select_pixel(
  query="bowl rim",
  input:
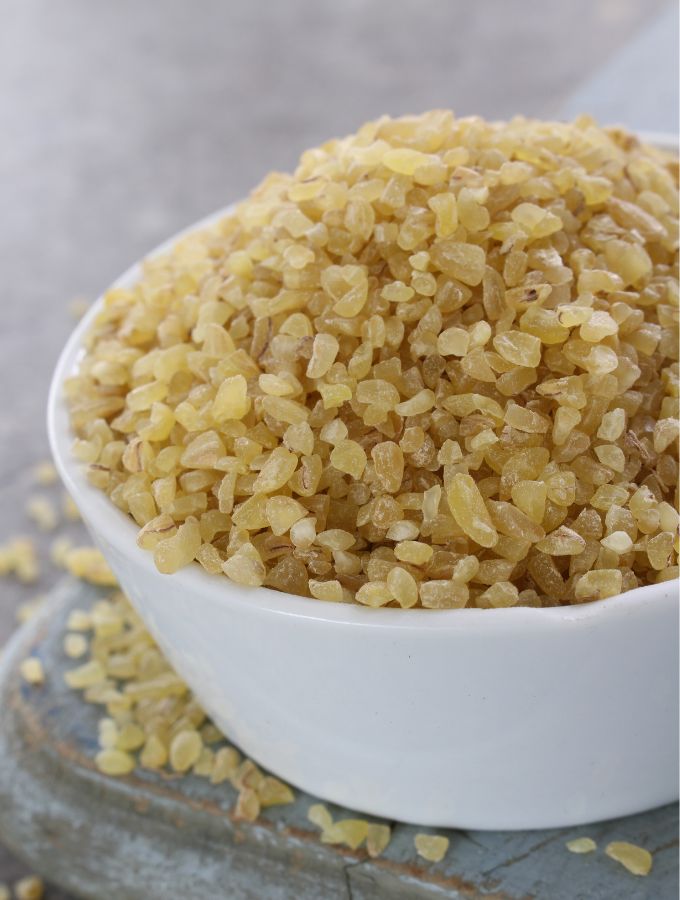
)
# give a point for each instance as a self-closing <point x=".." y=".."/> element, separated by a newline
<point x="119" y="530"/>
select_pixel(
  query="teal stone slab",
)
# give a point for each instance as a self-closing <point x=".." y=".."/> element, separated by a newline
<point x="150" y="836"/>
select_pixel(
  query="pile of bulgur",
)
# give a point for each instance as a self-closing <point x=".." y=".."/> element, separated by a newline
<point x="437" y="366"/>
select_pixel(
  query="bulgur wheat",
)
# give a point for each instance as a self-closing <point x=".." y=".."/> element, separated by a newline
<point x="440" y="339"/>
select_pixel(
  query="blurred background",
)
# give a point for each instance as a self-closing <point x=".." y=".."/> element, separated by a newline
<point x="123" y="122"/>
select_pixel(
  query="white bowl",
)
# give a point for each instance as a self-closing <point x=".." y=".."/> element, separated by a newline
<point x="492" y="719"/>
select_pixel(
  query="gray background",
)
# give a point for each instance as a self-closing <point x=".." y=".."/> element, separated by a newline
<point x="121" y="122"/>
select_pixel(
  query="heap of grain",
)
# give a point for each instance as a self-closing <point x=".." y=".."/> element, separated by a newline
<point x="436" y="366"/>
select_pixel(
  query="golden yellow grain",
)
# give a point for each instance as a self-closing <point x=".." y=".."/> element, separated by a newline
<point x="42" y="512"/>
<point x="350" y="832"/>
<point x="378" y="837"/>
<point x="319" y="815"/>
<point x="432" y="847"/>
<point x="29" y="888"/>
<point x="18" y="557"/>
<point x="114" y="762"/>
<point x="581" y="845"/>
<point x="274" y="792"/>
<point x="446" y="338"/>
<point x="89" y="564"/>
<point x="152" y="719"/>
<point x="75" y="645"/>
<point x="185" y="750"/>
<point x="32" y="671"/>
<point x="636" y="859"/>
<point x="247" y="805"/>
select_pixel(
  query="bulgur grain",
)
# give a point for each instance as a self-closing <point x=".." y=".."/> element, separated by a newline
<point x="319" y="815"/>
<point x="75" y="645"/>
<point x="42" y="512"/>
<point x="152" y="719"/>
<point x="154" y="754"/>
<point x="247" y="805"/>
<point x="438" y="336"/>
<point x="636" y="859"/>
<point x="274" y="792"/>
<point x="378" y="837"/>
<point x="89" y="564"/>
<point x="432" y="847"/>
<point x="351" y="832"/>
<point x="32" y="671"/>
<point x="29" y="888"/>
<point x="18" y="557"/>
<point x="581" y="845"/>
<point x="114" y="762"/>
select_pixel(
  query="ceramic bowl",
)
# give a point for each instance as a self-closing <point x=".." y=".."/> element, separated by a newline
<point x="490" y="719"/>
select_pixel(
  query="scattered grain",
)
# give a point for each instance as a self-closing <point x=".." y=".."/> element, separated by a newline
<point x="89" y="564"/>
<point x="581" y="845"/>
<point x="152" y="718"/>
<point x="29" y="888"/>
<point x="32" y="671"/>
<point x="378" y="837"/>
<point x="114" y="762"/>
<point x="351" y="832"/>
<point x="443" y="337"/>
<point x="319" y="815"/>
<point x="42" y="512"/>
<point x="247" y="805"/>
<point x="432" y="847"/>
<point x="18" y="557"/>
<point x="636" y="859"/>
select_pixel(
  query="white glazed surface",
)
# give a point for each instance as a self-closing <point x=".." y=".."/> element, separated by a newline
<point x="491" y="719"/>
